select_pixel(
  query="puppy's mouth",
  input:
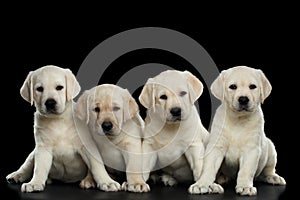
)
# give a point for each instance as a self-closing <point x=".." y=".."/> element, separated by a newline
<point x="175" y="119"/>
<point x="52" y="111"/>
<point x="102" y="132"/>
<point x="108" y="133"/>
<point x="243" y="108"/>
<point x="49" y="112"/>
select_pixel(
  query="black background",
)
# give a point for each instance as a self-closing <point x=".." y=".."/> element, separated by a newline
<point x="253" y="38"/>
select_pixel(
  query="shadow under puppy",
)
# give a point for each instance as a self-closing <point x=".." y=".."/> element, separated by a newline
<point x="174" y="136"/>
<point x="58" y="153"/>
<point x="237" y="144"/>
<point x="112" y="117"/>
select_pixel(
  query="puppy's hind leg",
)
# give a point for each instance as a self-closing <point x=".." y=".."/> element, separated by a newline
<point x="88" y="181"/>
<point x="24" y="172"/>
<point x="222" y="178"/>
<point x="168" y="180"/>
<point x="98" y="171"/>
<point x="268" y="174"/>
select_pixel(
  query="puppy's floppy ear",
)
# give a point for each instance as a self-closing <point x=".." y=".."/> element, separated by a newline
<point x="147" y="98"/>
<point x="26" y="90"/>
<point x="81" y="108"/>
<point x="265" y="86"/>
<point x="72" y="85"/>
<point x="217" y="87"/>
<point x="130" y="107"/>
<point x="194" y="85"/>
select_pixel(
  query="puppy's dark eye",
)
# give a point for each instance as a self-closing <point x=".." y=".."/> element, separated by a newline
<point x="40" y="89"/>
<point x="182" y="93"/>
<point x="116" y="108"/>
<point x="97" y="109"/>
<point x="233" y="86"/>
<point x="252" y="86"/>
<point x="59" y="87"/>
<point x="164" y="97"/>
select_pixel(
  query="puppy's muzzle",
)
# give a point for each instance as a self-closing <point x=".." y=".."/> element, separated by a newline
<point x="107" y="127"/>
<point x="51" y="105"/>
<point x="243" y="103"/>
<point x="176" y="113"/>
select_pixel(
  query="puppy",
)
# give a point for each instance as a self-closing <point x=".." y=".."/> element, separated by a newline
<point x="174" y="135"/>
<point x="237" y="135"/>
<point x="58" y="153"/>
<point x="113" y="120"/>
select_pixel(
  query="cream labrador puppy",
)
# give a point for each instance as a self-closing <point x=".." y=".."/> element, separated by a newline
<point x="113" y="120"/>
<point x="174" y="137"/>
<point x="237" y="142"/>
<point x="58" y="153"/>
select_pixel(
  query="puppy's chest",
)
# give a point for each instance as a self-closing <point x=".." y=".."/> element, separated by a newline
<point x="56" y="133"/>
<point x="61" y="137"/>
<point x="240" y="140"/>
<point x="65" y="152"/>
<point x="171" y="151"/>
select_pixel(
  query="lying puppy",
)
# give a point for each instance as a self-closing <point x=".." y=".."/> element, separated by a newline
<point x="113" y="120"/>
<point x="58" y="153"/>
<point x="174" y="135"/>
<point x="237" y="135"/>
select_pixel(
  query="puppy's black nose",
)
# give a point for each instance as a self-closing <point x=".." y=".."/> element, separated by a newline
<point x="176" y="112"/>
<point x="107" y="126"/>
<point x="50" y="104"/>
<point x="243" y="100"/>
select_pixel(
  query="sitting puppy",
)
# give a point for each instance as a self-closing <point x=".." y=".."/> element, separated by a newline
<point x="237" y="136"/>
<point x="113" y="120"/>
<point x="174" y="137"/>
<point x="59" y="153"/>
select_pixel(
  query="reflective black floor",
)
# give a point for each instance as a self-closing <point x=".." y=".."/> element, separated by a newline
<point x="61" y="191"/>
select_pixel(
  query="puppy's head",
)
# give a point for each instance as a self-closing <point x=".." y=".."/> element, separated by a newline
<point x="171" y="94"/>
<point x="50" y="88"/>
<point x="242" y="88"/>
<point x="105" y="108"/>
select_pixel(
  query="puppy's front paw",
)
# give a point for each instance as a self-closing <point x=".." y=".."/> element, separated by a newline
<point x="137" y="187"/>
<point x="249" y="190"/>
<point x="203" y="189"/>
<point x="275" y="180"/>
<point x="32" y="187"/>
<point x="17" y="177"/>
<point x="168" y="180"/>
<point x="110" y="186"/>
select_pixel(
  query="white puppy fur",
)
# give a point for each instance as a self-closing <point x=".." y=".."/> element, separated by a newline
<point x="174" y="137"/>
<point x="237" y="144"/>
<point x="58" y="153"/>
<point x="113" y="120"/>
